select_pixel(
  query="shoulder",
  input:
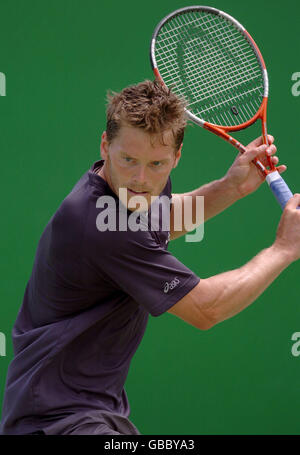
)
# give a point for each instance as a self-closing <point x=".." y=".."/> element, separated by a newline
<point x="112" y="233"/>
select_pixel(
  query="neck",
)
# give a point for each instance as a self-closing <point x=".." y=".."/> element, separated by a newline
<point x="101" y="172"/>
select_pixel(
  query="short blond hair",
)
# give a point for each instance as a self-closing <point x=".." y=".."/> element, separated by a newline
<point x="149" y="105"/>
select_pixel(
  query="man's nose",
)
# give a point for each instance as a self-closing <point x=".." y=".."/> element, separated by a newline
<point x="140" y="175"/>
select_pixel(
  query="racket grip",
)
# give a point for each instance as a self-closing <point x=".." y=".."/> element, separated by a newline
<point x="279" y="188"/>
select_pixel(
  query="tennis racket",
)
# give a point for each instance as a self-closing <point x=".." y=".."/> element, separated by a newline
<point x="207" y="57"/>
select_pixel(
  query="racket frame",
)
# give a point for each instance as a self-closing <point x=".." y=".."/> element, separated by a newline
<point x="223" y="130"/>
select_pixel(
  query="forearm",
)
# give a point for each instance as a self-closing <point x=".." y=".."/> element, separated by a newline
<point x="233" y="291"/>
<point x="218" y="195"/>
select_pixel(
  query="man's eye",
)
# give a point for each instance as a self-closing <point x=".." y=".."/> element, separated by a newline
<point x="127" y="159"/>
<point x="156" y="163"/>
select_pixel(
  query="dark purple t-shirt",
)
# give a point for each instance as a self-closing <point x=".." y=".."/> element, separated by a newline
<point x="85" y="310"/>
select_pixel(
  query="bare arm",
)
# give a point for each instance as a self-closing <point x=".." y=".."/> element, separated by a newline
<point x="222" y="296"/>
<point x="241" y="179"/>
<point x="218" y="195"/>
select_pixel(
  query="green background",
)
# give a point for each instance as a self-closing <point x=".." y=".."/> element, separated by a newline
<point x="59" y="58"/>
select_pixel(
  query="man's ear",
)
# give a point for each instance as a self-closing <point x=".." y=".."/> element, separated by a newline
<point x="177" y="156"/>
<point x="104" y="146"/>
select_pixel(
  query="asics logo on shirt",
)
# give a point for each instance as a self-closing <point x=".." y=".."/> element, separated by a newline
<point x="169" y="286"/>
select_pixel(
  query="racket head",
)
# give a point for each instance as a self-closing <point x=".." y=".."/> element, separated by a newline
<point x="208" y="58"/>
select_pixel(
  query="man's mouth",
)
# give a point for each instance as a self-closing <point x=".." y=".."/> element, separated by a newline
<point x="141" y="193"/>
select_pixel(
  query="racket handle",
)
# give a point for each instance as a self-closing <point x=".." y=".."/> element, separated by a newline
<point x="279" y="188"/>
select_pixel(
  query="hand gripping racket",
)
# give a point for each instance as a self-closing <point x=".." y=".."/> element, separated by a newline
<point x="207" y="57"/>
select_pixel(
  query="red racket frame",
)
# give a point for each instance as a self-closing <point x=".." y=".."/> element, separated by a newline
<point x="223" y="130"/>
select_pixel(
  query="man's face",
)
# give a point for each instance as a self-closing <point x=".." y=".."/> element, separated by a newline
<point x="138" y="162"/>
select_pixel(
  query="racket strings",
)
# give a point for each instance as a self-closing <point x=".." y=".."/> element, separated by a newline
<point x="211" y="63"/>
<point x="213" y="84"/>
<point x="211" y="87"/>
<point x="189" y="57"/>
<point x="222" y="39"/>
<point x="171" y="72"/>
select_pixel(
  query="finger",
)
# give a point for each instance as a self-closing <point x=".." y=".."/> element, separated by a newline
<point x="271" y="150"/>
<point x="259" y="141"/>
<point x="265" y="162"/>
<point x="281" y="168"/>
<point x="254" y="152"/>
<point x="294" y="201"/>
<point x="265" y="154"/>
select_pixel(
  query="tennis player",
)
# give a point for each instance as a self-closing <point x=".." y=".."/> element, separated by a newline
<point x="91" y="291"/>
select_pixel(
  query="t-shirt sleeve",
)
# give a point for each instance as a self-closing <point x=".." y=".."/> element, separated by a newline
<point x="143" y="269"/>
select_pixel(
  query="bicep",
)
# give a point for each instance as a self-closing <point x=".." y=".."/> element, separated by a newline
<point x="194" y="307"/>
